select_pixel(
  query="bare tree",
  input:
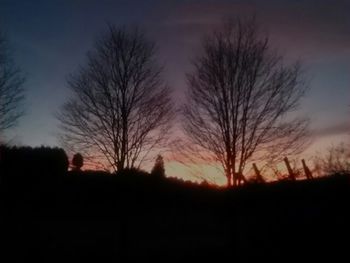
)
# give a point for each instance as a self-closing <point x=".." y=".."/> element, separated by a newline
<point x="335" y="161"/>
<point x="239" y="97"/>
<point x="121" y="108"/>
<point x="11" y="88"/>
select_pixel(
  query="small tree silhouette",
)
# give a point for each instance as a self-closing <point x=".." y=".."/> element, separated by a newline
<point x="158" y="168"/>
<point x="77" y="162"/>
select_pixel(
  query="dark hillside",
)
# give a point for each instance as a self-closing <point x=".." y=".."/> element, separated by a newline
<point x="136" y="217"/>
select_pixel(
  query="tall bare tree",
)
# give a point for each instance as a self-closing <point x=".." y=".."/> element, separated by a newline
<point x="239" y="96"/>
<point x="121" y="108"/>
<point x="11" y="88"/>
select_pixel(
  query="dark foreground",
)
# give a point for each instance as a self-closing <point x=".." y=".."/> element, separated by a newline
<point x="137" y="218"/>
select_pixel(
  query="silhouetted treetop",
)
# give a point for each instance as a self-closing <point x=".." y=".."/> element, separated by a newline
<point x="121" y="108"/>
<point x="158" y="169"/>
<point x="240" y="94"/>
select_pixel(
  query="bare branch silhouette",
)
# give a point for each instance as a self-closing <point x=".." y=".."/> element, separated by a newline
<point x="335" y="161"/>
<point x="121" y="108"/>
<point x="239" y="97"/>
<point x="11" y="88"/>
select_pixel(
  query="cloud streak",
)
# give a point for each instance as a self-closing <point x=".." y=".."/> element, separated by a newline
<point x="338" y="129"/>
<point x="305" y="28"/>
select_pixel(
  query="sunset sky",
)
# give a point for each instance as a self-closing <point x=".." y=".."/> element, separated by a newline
<point x="50" y="40"/>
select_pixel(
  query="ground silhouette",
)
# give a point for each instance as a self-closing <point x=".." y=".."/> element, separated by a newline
<point x="133" y="216"/>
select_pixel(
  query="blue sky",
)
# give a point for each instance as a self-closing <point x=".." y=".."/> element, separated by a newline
<point x="50" y="40"/>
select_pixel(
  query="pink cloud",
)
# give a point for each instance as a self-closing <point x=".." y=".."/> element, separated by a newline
<point x="303" y="29"/>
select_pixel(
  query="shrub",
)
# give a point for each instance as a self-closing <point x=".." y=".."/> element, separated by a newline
<point x="77" y="162"/>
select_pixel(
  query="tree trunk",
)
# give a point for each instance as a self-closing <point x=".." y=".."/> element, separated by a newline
<point x="229" y="179"/>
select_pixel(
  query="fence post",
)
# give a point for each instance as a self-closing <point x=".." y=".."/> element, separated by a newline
<point x="259" y="177"/>
<point x="307" y="171"/>
<point x="289" y="168"/>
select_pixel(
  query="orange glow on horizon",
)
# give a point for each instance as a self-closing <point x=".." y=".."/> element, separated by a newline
<point x="213" y="174"/>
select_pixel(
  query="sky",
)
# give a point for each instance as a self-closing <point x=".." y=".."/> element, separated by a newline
<point x="50" y="39"/>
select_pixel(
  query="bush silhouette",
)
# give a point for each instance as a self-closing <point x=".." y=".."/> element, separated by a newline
<point x="77" y="162"/>
<point x="27" y="163"/>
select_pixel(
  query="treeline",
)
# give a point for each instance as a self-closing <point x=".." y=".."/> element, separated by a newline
<point x="33" y="164"/>
<point x="26" y="163"/>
